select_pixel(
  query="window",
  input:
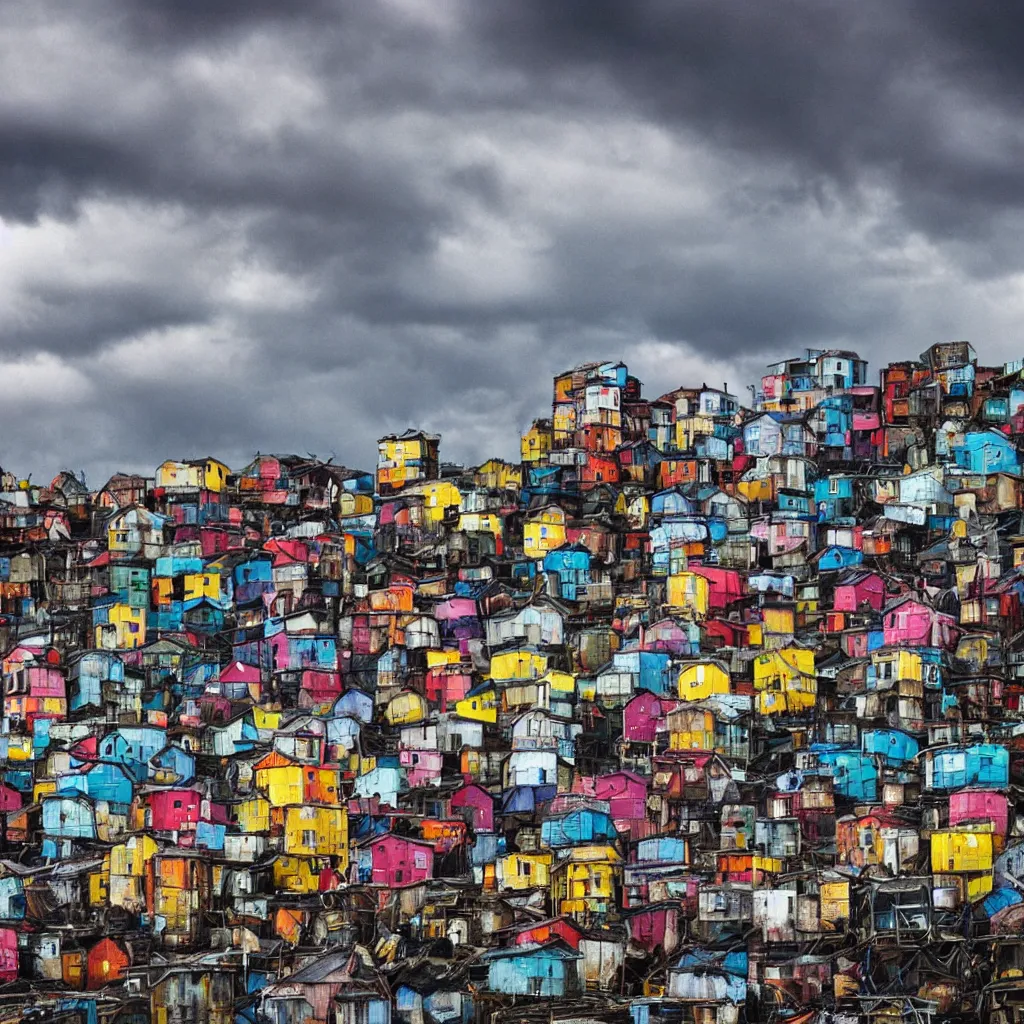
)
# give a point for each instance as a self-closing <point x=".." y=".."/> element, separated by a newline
<point x="309" y="838"/>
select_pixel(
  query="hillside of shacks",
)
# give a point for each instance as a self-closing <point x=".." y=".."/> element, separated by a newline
<point x="706" y="711"/>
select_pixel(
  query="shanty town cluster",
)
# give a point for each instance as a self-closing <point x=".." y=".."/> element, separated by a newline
<point x="706" y="711"/>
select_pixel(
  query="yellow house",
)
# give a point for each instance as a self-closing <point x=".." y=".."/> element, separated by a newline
<point x="563" y="423"/>
<point x="691" y="729"/>
<point x="481" y="522"/>
<point x="202" y="585"/>
<point x="253" y="815"/>
<point x="779" y="619"/>
<point x="523" y="870"/>
<point x="585" y="881"/>
<point x="535" y="444"/>
<point x="479" y="706"/>
<point x="755" y="634"/>
<point x="265" y="719"/>
<point x="406" y="708"/>
<point x="897" y="665"/>
<point x="962" y="849"/>
<point x="702" y="680"/>
<point x="296" y="874"/>
<point x="438" y="496"/>
<point x="192" y="475"/>
<point x="688" y="427"/>
<point x="514" y="665"/>
<point x="688" y="592"/>
<point x="99" y="884"/>
<point x="835" y="905"/>
<point x="315" y="829"/>
<point x="496" y="474"/>
<point x="562" y="685"/>
<point x="756" y="489"/>
<point x="544" y="531"/>
<point x="404" y="459"/>
<point x="350" y="504"/>
<point x="124" y="629"/>
<point x="280" y="779"/>
<point x="128" y="862"/>
<point x="785" y="680"/>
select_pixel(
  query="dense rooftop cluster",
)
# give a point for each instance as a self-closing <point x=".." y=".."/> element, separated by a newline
<point x="703" y="712"/>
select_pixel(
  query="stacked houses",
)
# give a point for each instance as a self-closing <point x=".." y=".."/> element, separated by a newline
<point x="708" y="710"/>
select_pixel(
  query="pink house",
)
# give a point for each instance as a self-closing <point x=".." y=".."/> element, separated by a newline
<point x="856" y="643"/>
<point x="642" y="717"/>
<point x="909" y="622"/>
<point x="857" y="589"/>
<point x="478" y="803"/>
<point x="239" y="672"/>
<point x="979" y="805"/>
<point x="396" y="860"/>
<point x="35" y="691"/>
<point x="655" y="927"/>
<point x="180" y="810"/>
<point x="667" y="635"/>
<point x="447" y="684"/>
<point x="422" y="767"/>
<point x="8" y="954"/>
<point x="626" y="794"/>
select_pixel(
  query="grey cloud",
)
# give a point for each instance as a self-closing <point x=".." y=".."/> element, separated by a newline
<point x="406" y="213"/>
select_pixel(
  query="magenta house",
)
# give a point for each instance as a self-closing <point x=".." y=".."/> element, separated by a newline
<point x="909" y="622"/>
<point x="858" y="589"/>
<point x="395" y="860"/>
<point x="478" y="805"/>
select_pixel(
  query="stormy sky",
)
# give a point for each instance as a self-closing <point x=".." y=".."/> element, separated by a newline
<point x="231" y="225"/>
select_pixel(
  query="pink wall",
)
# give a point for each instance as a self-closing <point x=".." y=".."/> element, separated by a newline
<point x="479" y="800"/>
<point x="640" y="718"/>
<point x="398" y="861"/>
<point x="979" y="805"/>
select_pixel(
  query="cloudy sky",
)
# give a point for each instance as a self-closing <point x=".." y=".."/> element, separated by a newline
<point x="231" y="225"/>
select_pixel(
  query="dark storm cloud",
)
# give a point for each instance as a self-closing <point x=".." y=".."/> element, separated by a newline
<point x="239" y="225"/>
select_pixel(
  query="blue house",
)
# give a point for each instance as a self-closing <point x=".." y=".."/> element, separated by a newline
<point x="833" y="497"/>
<point x="854" y="775"/>
<point x="251" y="580"/>
<point x="582" y="825"/>
<point x="670" y="503"/>
<point x="87" y="676"/>
<point x="174" y="764"/>
<point x="984" y="764"/>
<point x="662" y="850"/>
<point x="835" y="414"/>
<point x="550" y="969"/>
<point x="987" y="451"/>
<point x="569" y="568"/>
<point x="652" y="670"/>
<point x="132" y="746"/>
<point x="68" y="816"/>
<point x="835" y="557"/>
<point x="110" y="782"/>
<point x="894" y="747"/>
<point x="131" y="584"/>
